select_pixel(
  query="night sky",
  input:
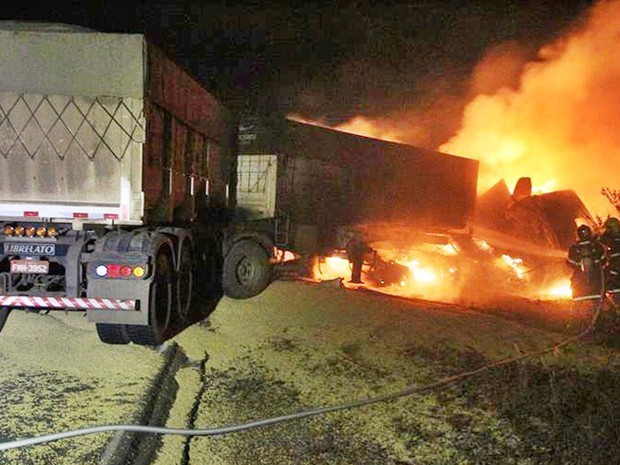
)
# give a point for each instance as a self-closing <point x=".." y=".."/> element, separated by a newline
<point x="329" y="62"/>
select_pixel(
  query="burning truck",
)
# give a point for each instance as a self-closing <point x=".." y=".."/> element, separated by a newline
<point x="119" y="186"/>
<point x="123" y="196"/>
<point x="418" y="209"/>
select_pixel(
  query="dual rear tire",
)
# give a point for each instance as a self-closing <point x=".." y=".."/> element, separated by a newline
<point x="162" y="302"/>
<point x="246" y="272"/>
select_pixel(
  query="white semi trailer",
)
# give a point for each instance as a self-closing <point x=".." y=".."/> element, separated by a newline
<point x="117" y="177"/>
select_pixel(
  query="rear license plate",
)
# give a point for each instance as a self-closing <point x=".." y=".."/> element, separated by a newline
<point x="30" y="266"/>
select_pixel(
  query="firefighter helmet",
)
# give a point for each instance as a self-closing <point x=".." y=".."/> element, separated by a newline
<point x="584" y="233"/>
<point x="612" y="225"/>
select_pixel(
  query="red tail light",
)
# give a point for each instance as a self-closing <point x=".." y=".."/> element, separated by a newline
<point x="118" y="270"/>
<point x="114" y="270"/>
<point x="126" y="271"/>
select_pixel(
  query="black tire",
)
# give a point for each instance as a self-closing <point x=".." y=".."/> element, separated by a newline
<point x="4" y="315"/>
<point x="185" y="281"/>
<point x="112" y="334"/>
<point x="247" y="270"/>
<point x="161" y="303"/>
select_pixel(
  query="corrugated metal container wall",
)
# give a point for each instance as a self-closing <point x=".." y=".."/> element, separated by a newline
<point x="382" y="181"/>
<point x="313" y="191"/>
<point x="190" y="153"/>
<point x="394" y="182"/>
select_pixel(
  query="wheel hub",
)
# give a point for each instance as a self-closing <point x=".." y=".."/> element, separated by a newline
<point x="245" y="270"/>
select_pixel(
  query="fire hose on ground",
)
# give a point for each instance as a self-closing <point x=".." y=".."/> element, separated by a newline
<point x="217" y="431"/>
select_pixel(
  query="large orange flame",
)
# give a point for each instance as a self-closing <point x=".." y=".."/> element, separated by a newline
<point x="448" y="277"/>
<point x="555" y="122"/>
<point x="560" y="125"/>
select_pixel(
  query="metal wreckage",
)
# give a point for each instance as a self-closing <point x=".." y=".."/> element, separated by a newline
<point x="433" y="236"/>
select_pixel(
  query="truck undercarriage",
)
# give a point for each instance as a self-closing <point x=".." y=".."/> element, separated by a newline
<point x="138" y="285"/>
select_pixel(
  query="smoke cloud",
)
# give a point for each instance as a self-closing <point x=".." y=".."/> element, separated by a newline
<point x="551" y="114"/>
<point x="559" y="125"/>
<point x="428" y="113"/>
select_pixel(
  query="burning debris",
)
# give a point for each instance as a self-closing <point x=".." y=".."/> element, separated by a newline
<point x="515" y="244"/>
<point x="553" y="117"/>
<point x="547" y="220"/>
<point x="447" y="267"/>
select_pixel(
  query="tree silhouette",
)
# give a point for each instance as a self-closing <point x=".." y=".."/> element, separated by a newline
<point x="613" y="195"/>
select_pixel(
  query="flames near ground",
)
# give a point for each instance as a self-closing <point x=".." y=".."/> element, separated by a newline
<point x="552" y="117"/>
<point x="449" y="268"/>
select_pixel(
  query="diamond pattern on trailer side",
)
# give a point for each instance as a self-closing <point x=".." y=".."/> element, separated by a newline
<point x="30" y="123"/>
<point x="32" y="134"/>
<point x="8" y="134"/>
<point x="18" y="115"/>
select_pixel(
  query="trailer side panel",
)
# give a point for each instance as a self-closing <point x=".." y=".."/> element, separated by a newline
<point x="375" y="180"/>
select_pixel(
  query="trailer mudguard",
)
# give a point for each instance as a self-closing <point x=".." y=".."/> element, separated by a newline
<point x="131" y="248"/>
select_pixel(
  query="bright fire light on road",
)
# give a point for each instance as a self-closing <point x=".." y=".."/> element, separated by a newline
<point x="559" y="290"/>
<point x="420" y="273"/>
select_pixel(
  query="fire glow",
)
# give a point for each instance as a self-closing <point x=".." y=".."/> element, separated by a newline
<point x="559" y="290"/>
<point x="516" y="264"/>
<point x="434" y="276"/>
<point x="558" y="124"/>
<point x="553" y="118"/>
<point x="358" y="125"/>
<point x="283" y="256"/>
<point x="420" y="273"/>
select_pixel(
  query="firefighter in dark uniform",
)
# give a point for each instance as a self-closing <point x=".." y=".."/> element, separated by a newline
<point x="586" y="257"/>
<point x="611" y="240"/>
<point x="356" y="250"/>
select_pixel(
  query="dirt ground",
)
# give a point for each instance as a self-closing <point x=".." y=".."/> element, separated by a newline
<point x="302" y="345"/>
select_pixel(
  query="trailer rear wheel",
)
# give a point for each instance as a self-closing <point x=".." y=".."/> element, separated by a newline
<point x="160" y="304"/>
<point x="247" y="270"/>
<point x="112" y="334"/>
<point x="4" y="315"/>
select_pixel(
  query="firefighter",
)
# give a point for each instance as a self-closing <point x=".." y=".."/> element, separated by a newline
<point x="356" y="250"/>
<point x="586" y="257"/>
<point x="611" y="240"/>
